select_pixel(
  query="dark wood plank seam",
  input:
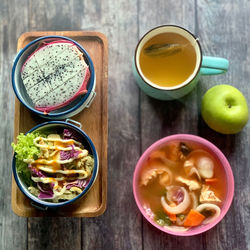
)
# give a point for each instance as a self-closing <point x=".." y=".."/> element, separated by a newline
<point x="140" y="150"/>
<point x="81" y="238"/>
<point x="27" y="235"/>
<point x="196" y="25"/>
<point x="139" y="117"/>
<point x="196" y="30"/>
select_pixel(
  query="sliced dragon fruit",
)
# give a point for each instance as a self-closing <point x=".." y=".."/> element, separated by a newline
<point x="54" y="75"/>
<point x="31" y="64"/>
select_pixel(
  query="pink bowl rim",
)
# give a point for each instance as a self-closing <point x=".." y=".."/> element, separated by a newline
<point x="221" y="158"/>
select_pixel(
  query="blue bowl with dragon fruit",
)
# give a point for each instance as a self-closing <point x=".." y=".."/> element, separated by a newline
<point x="54" y="77"/>
<point x="54" y="164"/>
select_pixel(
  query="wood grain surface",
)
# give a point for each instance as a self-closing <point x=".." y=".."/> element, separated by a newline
<point x="135" y="120"/>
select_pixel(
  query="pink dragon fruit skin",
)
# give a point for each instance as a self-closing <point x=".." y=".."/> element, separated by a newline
<point x="44" y="79"/>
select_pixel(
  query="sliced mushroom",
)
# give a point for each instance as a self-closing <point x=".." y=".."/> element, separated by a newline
<point x="190" y="168"/>
<point x="205" y="167"/>
<point x="209" y="207"/>
<point x="188" y="164"/>
<point x="192" y="184"/>
<point x="181" y="207"/>
<point x="194" y="171"/>
<point x="208" y="195"/>
<point x="165" y="178"/>
<point x="185" y="149"/>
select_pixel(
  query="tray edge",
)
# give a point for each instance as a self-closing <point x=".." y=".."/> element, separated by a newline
<point x="104" y="40"/>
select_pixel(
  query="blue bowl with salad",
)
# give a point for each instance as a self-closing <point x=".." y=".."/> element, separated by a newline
<point x="54" y="164"/>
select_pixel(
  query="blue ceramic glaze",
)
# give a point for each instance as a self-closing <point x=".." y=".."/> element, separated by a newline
<point x="213" y="65"/>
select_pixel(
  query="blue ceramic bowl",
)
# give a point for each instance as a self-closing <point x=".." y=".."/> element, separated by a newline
<point x="68" y="111"/>
<point x="88" y="144"/>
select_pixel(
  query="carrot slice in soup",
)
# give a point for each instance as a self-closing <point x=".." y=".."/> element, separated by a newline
<point x="172" y="217"/>
<point x="194" y="218"/>
<point x="210" y="181"/>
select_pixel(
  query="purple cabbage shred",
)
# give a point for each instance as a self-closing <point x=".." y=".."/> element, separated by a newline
<point x="70" y="134"/>
<point x="35" y="172"/>
<point x="44" y="196"/>
<point x="66" y="155"/>
<point x="46" y="191"/>
<point x="78" y="183"/>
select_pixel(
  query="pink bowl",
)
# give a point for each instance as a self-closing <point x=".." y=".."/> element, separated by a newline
<point x="216" y="152"/>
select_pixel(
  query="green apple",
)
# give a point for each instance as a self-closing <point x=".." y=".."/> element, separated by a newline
<point x="224" y="109"/>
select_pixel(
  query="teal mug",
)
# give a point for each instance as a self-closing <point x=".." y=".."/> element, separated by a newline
<point x="204" y="65"/>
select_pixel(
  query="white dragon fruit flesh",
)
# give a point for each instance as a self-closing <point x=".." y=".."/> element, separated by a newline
<point x="54" y="75"/>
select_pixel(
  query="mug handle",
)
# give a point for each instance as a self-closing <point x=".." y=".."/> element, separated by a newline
<point x="213" y="65"/>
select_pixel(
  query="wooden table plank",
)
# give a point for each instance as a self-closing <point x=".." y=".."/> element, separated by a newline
<point x="13" y="230"/>
<point x="54" y="233"/>
<point x="120" y="226"/>
<point x="222" y="27"/>
<point x="221" y="30"/>
<point x="163" y="118"/>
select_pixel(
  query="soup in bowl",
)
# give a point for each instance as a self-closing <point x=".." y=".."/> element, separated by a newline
<point x="183" y="185"/>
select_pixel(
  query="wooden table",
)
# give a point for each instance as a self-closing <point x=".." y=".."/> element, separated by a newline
<point x="135" y="120"/>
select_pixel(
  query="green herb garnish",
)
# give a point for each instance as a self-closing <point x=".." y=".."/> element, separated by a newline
<point x="163" y="192"/>
<point x="162" y="219"/>
<point x="181" y="216"/>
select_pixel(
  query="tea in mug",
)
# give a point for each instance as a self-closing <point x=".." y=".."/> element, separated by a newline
<point x="167" y="59"/>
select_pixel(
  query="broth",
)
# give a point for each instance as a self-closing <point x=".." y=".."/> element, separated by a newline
<point x="168" y="68"/>
<point x="151" y="190"/>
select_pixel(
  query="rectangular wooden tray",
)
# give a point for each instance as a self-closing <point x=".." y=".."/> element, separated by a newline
<point x="94" y="122"/>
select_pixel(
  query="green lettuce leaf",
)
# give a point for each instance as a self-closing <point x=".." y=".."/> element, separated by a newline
<point x="25" y="149"/>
